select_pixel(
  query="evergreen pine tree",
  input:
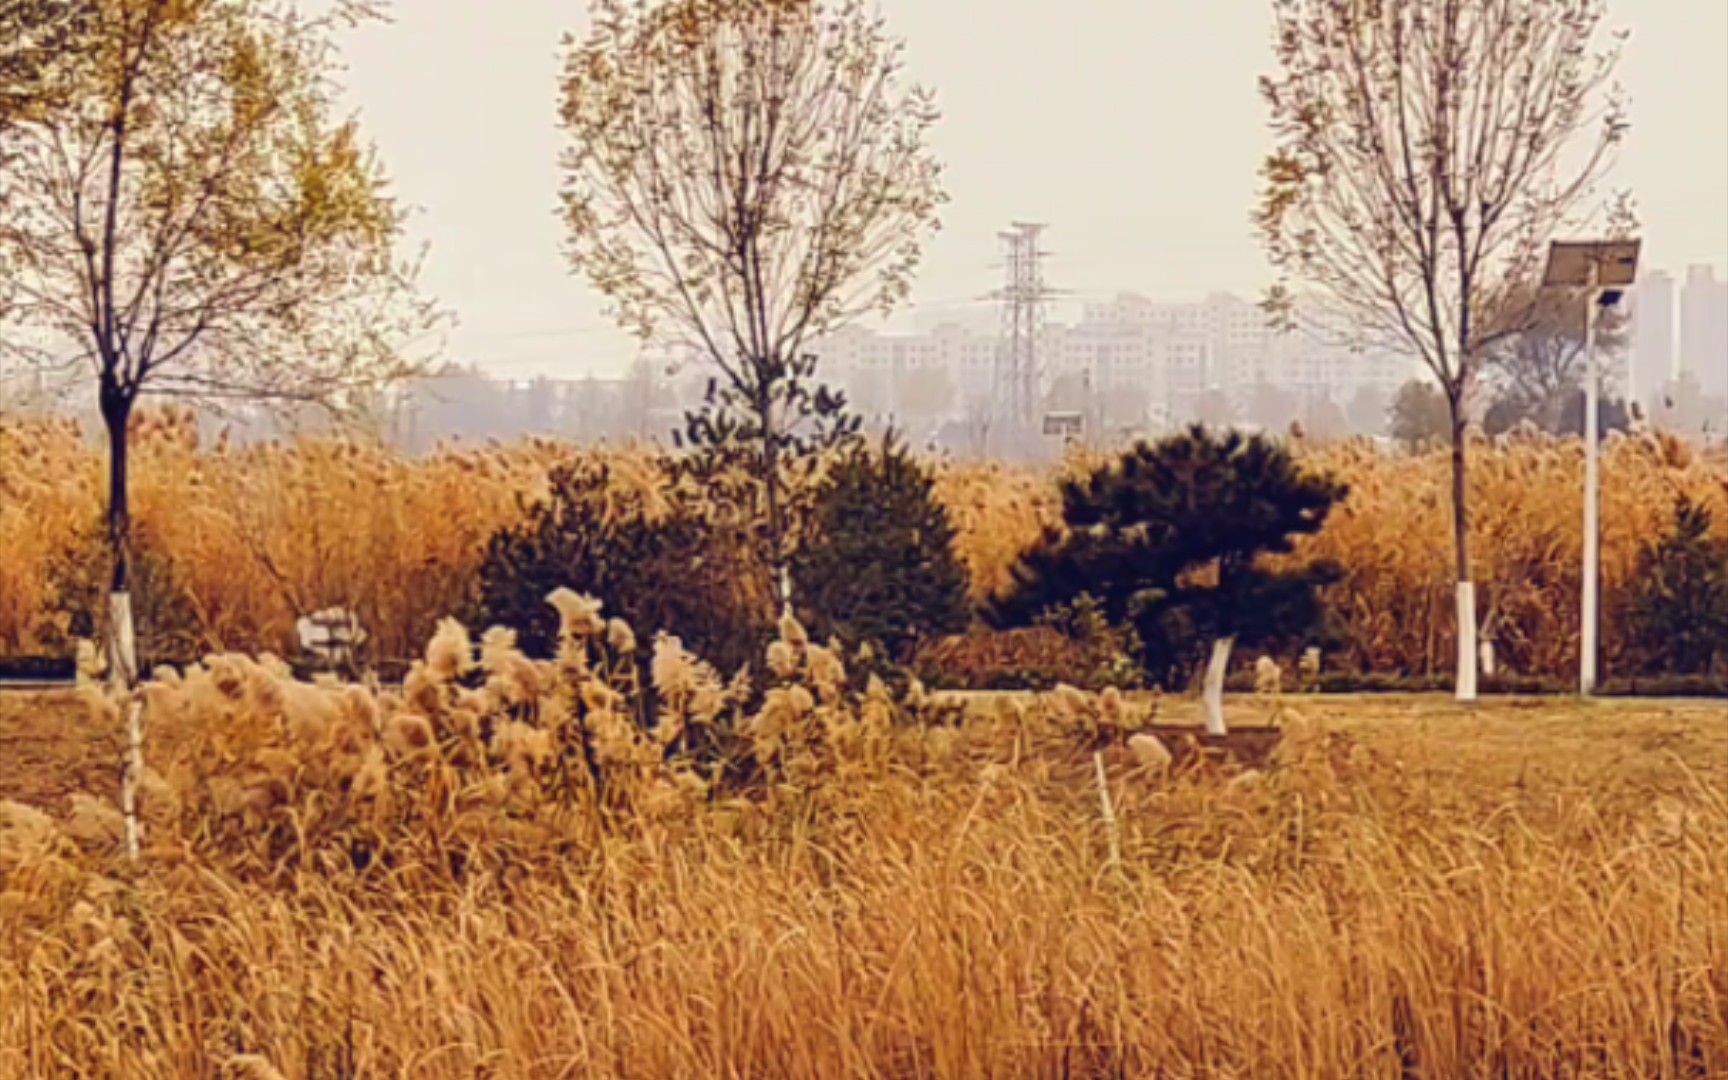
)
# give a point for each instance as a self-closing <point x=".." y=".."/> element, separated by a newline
<point x="1169" y="539"/>
<point x="878" y="566"/>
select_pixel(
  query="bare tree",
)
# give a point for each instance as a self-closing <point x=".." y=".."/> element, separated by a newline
<point x="1426" y="152"/>
<point x="741" y="177"/>
<point x="1536" y="370"/>
<point x="1418" y="417"/>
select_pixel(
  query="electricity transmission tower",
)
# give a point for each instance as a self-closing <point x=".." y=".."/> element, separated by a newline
<point x="1023" y="296"/>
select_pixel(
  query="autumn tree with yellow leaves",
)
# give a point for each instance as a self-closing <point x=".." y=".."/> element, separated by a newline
<point x="185" y="217"/>
<point x="37" y="36"/>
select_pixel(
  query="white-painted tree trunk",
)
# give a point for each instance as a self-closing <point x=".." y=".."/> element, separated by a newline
<point x="123" y="678"/>
<point x="1466" y="680"/>
<point x="122" y="642"/>
<point x="1213" y="689"/>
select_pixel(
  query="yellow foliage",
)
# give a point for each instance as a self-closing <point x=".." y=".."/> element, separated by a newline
<point x="1392" y="536"/>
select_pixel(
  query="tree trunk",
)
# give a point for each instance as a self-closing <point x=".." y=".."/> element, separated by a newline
<point x="1465" y="683"/>
<point x="116" y="406"/>
<point x="1212" y="694"/>
<point x="781" y="571"/>
<point x="121" y="643"/>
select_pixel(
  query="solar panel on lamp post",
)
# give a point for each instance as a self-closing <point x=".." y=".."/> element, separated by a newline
<point x="1603" y="268"/>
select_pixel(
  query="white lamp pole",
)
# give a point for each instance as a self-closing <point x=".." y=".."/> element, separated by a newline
<point x="1601" y="268"/>
<point x="1588" y="631"/>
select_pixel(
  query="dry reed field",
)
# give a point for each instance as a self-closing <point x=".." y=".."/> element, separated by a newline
<point x="487" y="874"/>
<point x="259" y="535"/>
<point x="1392" y="537"/>
<point x="584" y="866"/>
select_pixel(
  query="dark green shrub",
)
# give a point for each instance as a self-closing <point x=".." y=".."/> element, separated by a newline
<point x="878" y="566"/>
<point x="1677" y="609"/>
<point x="685" y="572"/>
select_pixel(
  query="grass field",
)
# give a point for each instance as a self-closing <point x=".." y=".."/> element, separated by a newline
<point x="1523" y="889"/>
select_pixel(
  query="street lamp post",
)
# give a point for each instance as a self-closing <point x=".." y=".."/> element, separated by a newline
<point x="1590" y="625"/>
<point x="1602" y="269"/>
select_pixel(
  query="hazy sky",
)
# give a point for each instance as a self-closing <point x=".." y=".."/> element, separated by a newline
<point x="1132" y="126"/>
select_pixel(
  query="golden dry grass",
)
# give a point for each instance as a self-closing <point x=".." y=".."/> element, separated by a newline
<point x="52" y="746"/>
<point x="1527" y="889"/>
<point x="1393" y="538"/>
<point x="260" y="535"/>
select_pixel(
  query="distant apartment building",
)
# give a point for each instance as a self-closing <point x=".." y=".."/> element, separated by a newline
<point x="1654" y="337"/>
<point x="1162" y="351"/>
<point x="1704" y="330"/>
<point x="1135" y="375"/>
<point x="929" y="376"/>
<point x="1320" y="360"/>
<point x="1233" y="348"/>
<point x="1131" y="363"/>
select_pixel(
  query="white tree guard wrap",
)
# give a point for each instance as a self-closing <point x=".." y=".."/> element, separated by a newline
<point x="123" y="672"/>
<point x="1213" y="695"/>
<point x="1466" y="682"/>
<point x="122" y="640"/>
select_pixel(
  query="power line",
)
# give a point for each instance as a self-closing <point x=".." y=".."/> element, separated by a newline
<point x="611" y="328"/>
<point x="549" y="332"/>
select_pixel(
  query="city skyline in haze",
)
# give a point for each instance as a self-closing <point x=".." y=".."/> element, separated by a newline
<point x="1135" y="129"/>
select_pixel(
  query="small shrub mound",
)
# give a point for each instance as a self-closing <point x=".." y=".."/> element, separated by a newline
<point x="1072" y="643"/>
<point x="1029" y="658"/>
<point x="671" y="562"/>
